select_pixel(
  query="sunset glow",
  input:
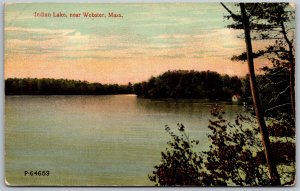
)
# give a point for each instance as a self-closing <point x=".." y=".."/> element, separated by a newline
<point x="148" y="40"/>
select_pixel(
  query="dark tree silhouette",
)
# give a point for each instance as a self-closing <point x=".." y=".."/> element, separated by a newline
<point x="235" y="155"/>
<point x="275" y="22"/>
<point x="279" y="27"/>
<point x="47" y="86"/>
<point x="182" y="84"/>
<point x="178" y="84"/>
<point x="243" y="19"/>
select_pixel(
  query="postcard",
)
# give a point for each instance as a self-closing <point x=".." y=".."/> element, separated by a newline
<point x="149" y="94"/>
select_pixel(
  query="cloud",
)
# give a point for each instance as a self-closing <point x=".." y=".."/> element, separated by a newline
<point x="171" y="56"/>
<point x="39" y="30"/>
<point x="205" y="33"/>
<point x="72" y="44"/>
<point x="174" y="36"/>
<point x="18" y="39"/>
<point x="214" y="43"/>
<point x="40" y="40"/>
<point x="99" y="57"/>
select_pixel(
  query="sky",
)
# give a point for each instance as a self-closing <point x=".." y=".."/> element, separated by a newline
<point x="146" y="41"/>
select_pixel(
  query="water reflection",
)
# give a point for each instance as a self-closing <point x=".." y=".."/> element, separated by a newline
<point x="110" y="140"/>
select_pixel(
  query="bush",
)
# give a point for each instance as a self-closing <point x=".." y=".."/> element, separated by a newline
<point x="235" y="156"/>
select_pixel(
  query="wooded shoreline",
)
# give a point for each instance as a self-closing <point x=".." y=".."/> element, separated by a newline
<point x="178" y="84"/>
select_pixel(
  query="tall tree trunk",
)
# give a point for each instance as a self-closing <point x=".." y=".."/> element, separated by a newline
<point x="292" y="81"/>
<point x="274" y="176"/>
<point x="292" y="87"/>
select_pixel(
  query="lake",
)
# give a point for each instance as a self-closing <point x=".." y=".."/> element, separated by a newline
<point x="96" y="140"/>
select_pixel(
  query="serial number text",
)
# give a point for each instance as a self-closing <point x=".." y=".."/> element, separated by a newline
<point x="37" y="173"/>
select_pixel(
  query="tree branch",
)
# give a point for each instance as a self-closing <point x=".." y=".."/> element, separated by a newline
<point x="292" y="28"/>
<point x="234" y="16"/>
<point x="253" y="9"/>
<point x="277" y="106"/>
<point x="279" y="94"/>
<point x="270" y="82"/>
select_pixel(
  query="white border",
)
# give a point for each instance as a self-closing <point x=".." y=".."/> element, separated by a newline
<point x="3" y="187"/>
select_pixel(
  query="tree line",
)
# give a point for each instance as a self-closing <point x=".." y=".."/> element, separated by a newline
<point x="48" y="86"/>
<point x="183" y="84"/>
<point x="178" y="84"/>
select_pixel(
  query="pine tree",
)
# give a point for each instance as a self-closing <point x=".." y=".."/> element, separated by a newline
<point x="243" y="20"/>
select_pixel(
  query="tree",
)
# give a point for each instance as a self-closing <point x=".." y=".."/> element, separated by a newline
<point x="234" y="157"/>
<point x="180" y="166"/>
<point x="275" y="22"/>
<point x="243" y="19"/>
<point x="183" y="84"/>
<point x="274" y="92"/>
<point x="47" y="86"/>
<point x="280" y="29"/>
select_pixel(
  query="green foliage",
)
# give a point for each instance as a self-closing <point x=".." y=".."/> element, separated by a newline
<point x="266" y="20"/>
<point x="181" y="84"/>
<point x="235" y="156"/>
<point x="232" y="155"/>
<point x="47" y="86"/>
<point x="180" y="165"/>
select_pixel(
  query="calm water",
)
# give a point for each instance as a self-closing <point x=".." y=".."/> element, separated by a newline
<point x="95" y="140"/>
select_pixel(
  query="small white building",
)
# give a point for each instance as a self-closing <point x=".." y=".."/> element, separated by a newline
<point x="236" y="98"/>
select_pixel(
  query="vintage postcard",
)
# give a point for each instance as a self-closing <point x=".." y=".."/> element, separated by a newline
<point x="149" y="94"/>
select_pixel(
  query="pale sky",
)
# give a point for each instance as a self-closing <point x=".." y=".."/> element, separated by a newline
<point x="148" y="40"/>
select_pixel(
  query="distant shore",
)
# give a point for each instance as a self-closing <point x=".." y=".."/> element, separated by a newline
<point x="175" y="85"/>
